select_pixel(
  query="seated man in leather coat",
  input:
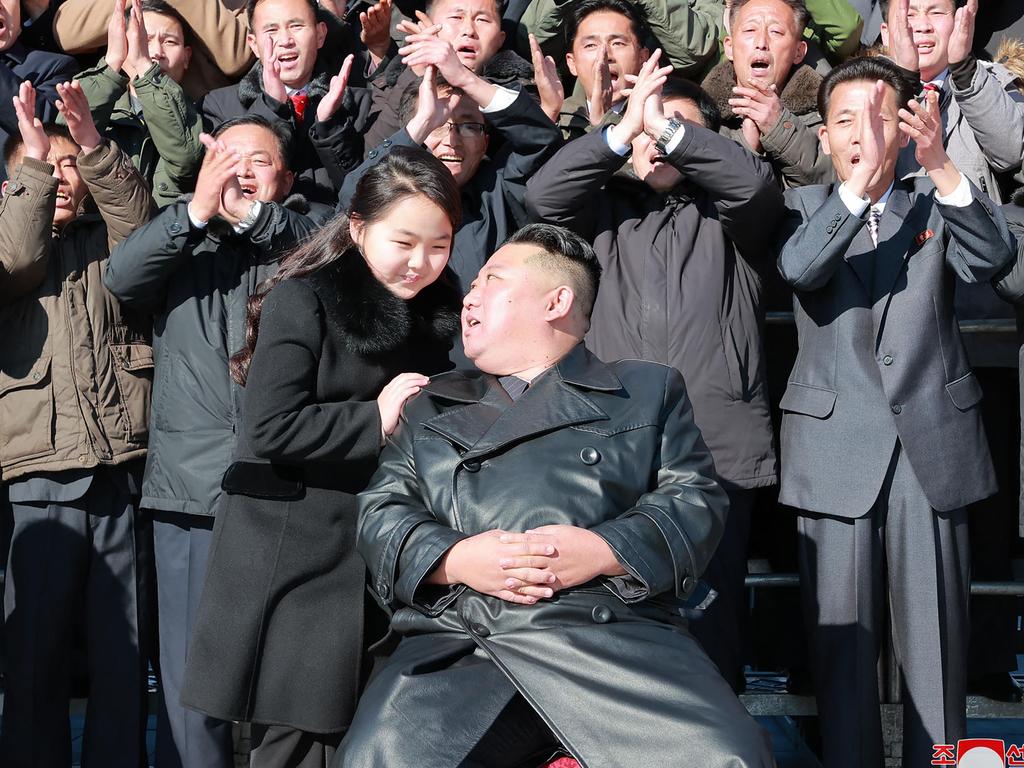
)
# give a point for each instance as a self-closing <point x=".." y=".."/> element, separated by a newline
<point x="535" y="527"/>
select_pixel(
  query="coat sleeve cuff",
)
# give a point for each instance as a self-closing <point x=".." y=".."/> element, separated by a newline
<point x="420" y="554"/>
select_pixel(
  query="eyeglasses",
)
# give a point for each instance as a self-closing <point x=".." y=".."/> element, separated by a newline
<point x="465" y="130"/>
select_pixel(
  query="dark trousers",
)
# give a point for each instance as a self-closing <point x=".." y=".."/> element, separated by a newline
<point x="78" y="563"/>
<point x="275" y="746"/>
<point x="184" y="739"/>
<point x="722" y="628"/>
<point x="920" y="559"/>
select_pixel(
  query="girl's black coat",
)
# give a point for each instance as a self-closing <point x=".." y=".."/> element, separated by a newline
<point x="279" y="637"/>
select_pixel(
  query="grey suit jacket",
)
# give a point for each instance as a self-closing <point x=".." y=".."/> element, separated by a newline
<point x="880" y="354"/>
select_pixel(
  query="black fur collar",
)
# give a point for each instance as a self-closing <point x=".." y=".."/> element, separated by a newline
<point x="251" y="86"/>
<point x="372" y="320"/>
<point x="799" y="96"/>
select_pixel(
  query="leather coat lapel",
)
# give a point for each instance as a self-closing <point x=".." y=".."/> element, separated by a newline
<point x="556" y="399"/>
<point x="485" y="401"/>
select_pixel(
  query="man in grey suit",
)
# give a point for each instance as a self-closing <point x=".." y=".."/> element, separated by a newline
<point x="882" y="441"/>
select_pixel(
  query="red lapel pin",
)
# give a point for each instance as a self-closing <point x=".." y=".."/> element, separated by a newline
<point x="924" y="237"/>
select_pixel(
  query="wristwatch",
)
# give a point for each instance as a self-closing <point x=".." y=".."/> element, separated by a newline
<point x="250" y="217"/>
<point x="666" y="135"/>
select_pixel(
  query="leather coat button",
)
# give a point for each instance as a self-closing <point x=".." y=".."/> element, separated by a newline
<point x="602" y="614"/>
<point x="472" y="465"/>
<point x="174" y="228"/>
<point x="590" y="455"/>
<point x="480" y="629"/>
<point x="689" y="584"/>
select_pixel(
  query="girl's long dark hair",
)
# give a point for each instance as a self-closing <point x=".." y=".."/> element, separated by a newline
<point x="405" y="172"/>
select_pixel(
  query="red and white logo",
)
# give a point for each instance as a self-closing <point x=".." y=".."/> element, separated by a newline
<point x="976" y="753"/>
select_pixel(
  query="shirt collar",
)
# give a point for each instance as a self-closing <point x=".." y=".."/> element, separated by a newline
<point x="880" y="205"/>
<point x="940" y="79"/>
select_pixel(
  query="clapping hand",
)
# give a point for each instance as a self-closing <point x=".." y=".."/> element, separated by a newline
<point x="376" y="29"/>
<point x="332" y="100"/>
<point x="759" y="106"/>
<point x="138" y="44"/>
<point x="867" y="172"/>
<point x="217" y="182"/>
<point x="273" y="85"/>
<point x="37" y="143"/>
<point x="545" y="77"/>
<point x="431" y="110"/>
<point x="640" y="116"/>
<point x="600" y="100"/>
<point x="901" y="37"/>
<point x="74" y="108"/>
<point x="961" y="41"/>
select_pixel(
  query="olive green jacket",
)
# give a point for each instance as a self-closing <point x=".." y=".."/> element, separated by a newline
<point x="162" y="141"/>
<point x="75" y="368"/>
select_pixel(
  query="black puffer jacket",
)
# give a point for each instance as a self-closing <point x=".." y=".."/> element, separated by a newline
<point x="196" y="282"/>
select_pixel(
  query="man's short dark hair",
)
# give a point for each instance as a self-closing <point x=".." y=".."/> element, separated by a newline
<point x="870" y="69"/>
<point x="799" y="8"/>
<point x="566" y="253"/>
<point x="14" y="142"/>
<point x="677" y="88"/>
<point x="165" y="9"/>
<point x="281" y="134"/>
<point x="584" y="8"/>
<point x="250" y="11"/>
<point x="431" y="4"/>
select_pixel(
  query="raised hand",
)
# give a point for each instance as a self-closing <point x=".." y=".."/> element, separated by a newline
<point x="600" y="96"/>
<point x="961" y="41"/>
<point x="74" y="108"/>
<point x="332" y="100"/>
<point x="871" y="141"/>
<point x="218" y="170"/>
<point x="138" y="43"/>
<point x="545" y="77"/>
<point x="408" y="27"/>
<point x="639" y="116"/>
<point x="901" y="37"/>
<point x="760" y="104"/>
<point x="431" y="110"/>
<point x="37" y="143"/>
<point x="117" y="40"/>
<point x="273" y="86"/>
<point x="392" y="398"/>
<point x="376" y="29"/>
<point x="923" y="124"/>
<point x="427" y="49"/>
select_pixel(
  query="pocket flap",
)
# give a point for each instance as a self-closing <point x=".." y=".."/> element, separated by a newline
<point x="965" y="392"/>
<point x="37" y="373"/>
<point x="810" y="401"/>
<point x="132" y="357"/>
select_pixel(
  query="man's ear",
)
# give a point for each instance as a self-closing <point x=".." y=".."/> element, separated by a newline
<point x="3" y="188"/>
<point x="570" y="61"/>
<point x="321" y="34"/>
<point x="885" y="34"/>
<point x="560" y="302"/>
<point x="646" y="54"/>
<point x="904" y="139"/>
<point x="801" y="51"/>
<point x="728" y="47"/>
<point x="289" y="180"/>
<point x="823" y="138"/>
<point x="188" y="56"/>
<point x="250" y="38"/>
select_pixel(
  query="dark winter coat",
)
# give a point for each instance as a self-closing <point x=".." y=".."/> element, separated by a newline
<point x="196" y="282"/>
<point x="279" y="637"/>
<point x="608" y="447"/>
<point x="681" y="282"/>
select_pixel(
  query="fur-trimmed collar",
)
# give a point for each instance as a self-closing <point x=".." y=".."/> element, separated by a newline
<point x="371" y="319"/>
<point x="251" y="86"/>
<point x="799" y="96"/>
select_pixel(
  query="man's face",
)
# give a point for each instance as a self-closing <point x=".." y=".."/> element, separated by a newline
<point x="504" y="310"/>
<point x="609" y="35"/>
<point x="10" y="23"/>
<point x="931" y="22"/>
<point x="764" y="43"/>
<point x="649" y="165"/>
<point x="71" y="189"/>
<point x="263" y="172"/>
<point x="840" y="136"/>
<point x="408" y="247"/>
<point x="167" y="44"/>
<point x="461" y="142"/>
<point x="296" y="34"/>
<point x="473" y="27"/>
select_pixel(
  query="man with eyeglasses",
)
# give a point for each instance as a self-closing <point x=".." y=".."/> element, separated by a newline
<point x="446" y="113"/>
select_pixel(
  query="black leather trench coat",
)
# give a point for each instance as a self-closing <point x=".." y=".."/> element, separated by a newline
<point x="608" y="665"/>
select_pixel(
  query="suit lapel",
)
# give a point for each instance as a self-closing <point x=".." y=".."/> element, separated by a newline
<point x="895" y="239"/>
<point x="861" y="258"/>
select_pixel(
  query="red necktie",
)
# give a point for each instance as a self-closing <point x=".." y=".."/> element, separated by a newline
<point x="299" y="104"/>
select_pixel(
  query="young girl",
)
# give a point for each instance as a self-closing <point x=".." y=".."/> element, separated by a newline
<point x="337" y="341"/>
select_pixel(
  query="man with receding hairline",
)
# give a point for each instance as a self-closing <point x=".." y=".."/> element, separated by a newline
<point x="535" y="528"/>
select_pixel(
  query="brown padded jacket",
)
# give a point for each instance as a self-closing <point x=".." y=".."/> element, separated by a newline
<point x="75" y="368"/>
